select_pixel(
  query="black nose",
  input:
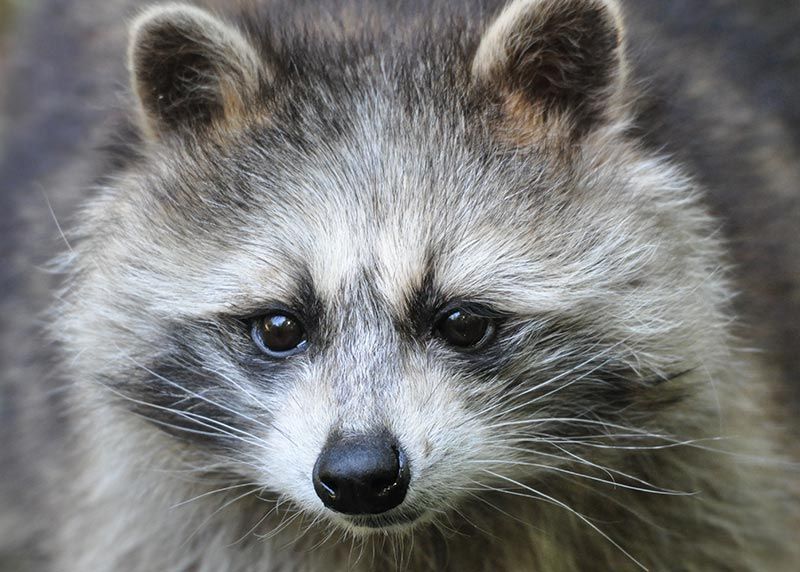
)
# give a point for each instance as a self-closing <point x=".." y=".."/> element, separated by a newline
<point x="365" y="474"/>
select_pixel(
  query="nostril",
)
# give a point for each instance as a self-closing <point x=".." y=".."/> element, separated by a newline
<point x="329" y="487"/>
<point x="384" y="484"/>
<point x="361" y="475"/>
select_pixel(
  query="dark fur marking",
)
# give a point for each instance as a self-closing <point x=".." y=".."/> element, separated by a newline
<point x="169" y="69"/>
<point x="422" y="304"/>
<point x="563" y="56"/>
<point x="181" y="394"/>
<point x="188" y="73"/>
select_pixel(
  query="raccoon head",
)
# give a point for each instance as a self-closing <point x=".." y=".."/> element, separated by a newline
<point x="382" y="278"/>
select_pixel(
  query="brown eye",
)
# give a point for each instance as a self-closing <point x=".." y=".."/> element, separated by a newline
<point x="279" y="334"/>
<point x="464" y="329"/>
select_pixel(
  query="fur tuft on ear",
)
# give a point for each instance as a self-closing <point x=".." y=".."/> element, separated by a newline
<point x="554" y="57"/>
<point x="190" y="69"/>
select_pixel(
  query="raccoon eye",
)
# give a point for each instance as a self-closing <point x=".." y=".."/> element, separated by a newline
<point x="464" y="329"/>
<point x="279" y="334"/>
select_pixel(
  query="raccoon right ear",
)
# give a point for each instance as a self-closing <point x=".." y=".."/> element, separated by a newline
<point x="190" y="70"/>
<point x="553" y="61"/>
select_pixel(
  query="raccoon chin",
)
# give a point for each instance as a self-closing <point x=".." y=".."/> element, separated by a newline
<point x="395" y="521"/>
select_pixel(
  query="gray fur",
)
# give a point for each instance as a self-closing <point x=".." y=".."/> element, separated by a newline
<point x="368" y="171"/>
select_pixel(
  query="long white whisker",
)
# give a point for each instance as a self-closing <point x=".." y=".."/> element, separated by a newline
<point x="553" y="380"/>
<point x="213" y="514"/>
<point x="582" y="475"/>
<point x="209" y="493"/>
<point x="572" y="457"/>
<point x="236" y="385"/>
<point x="255" y="526"/>
<point x="195" y="394"/>
<point x="539" y="494"/>
<point x="195" y="418"/>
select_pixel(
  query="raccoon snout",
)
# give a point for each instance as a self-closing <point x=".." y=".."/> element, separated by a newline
<point x="366" y="474"/>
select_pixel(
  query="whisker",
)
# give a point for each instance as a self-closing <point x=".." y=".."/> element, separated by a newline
<point x="608" y="470"/>
<point x="285" y="523"/>
<point x="323" y="541"/>
<point x="213" y="514"/>
<point x="552" y="380"/>
<point x="196" y="418"/>
<point x="654" y="490"/>
<point x="541" y="495"/>
<point x="195" y="394"/>
<point x="255" y="526"/>
<point x="209" y="493"/>
<point x="55" y="219"/>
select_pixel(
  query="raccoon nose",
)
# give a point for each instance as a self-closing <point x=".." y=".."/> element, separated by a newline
<point x="366" y="474"/>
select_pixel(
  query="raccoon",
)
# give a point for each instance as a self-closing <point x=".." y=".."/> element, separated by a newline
<point x="397" y="286"/>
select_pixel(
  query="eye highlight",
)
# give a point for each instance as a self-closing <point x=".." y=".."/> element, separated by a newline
<point x="279" y="334"/>
<point x="465" y="329"/>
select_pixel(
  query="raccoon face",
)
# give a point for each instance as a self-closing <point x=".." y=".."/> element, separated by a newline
<point x="381" y="286"/>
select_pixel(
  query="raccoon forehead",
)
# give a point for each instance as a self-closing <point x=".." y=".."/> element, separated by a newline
<point x="509" y="230"/>
<point x="519" y="260"/>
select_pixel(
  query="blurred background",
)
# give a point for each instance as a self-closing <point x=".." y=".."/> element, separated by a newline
<point x="64" y="87"/>
<point x="8" y="9"/>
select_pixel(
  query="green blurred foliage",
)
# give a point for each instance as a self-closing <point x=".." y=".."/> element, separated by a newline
<point x="7" y="8"/>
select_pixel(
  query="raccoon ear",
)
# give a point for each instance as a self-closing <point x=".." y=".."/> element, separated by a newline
<point x="551" y="59"/>
<point x="189" y="69"/>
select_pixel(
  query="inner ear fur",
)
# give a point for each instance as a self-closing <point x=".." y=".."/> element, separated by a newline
<point x="554" y="60"/>
<point x="189" y="69"/>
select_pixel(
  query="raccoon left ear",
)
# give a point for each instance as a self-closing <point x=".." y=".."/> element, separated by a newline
<point x="554" y="59"/>
<point x="190" y="69"/>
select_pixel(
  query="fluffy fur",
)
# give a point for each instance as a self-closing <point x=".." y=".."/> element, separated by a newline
<point x="367" y="175"/>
